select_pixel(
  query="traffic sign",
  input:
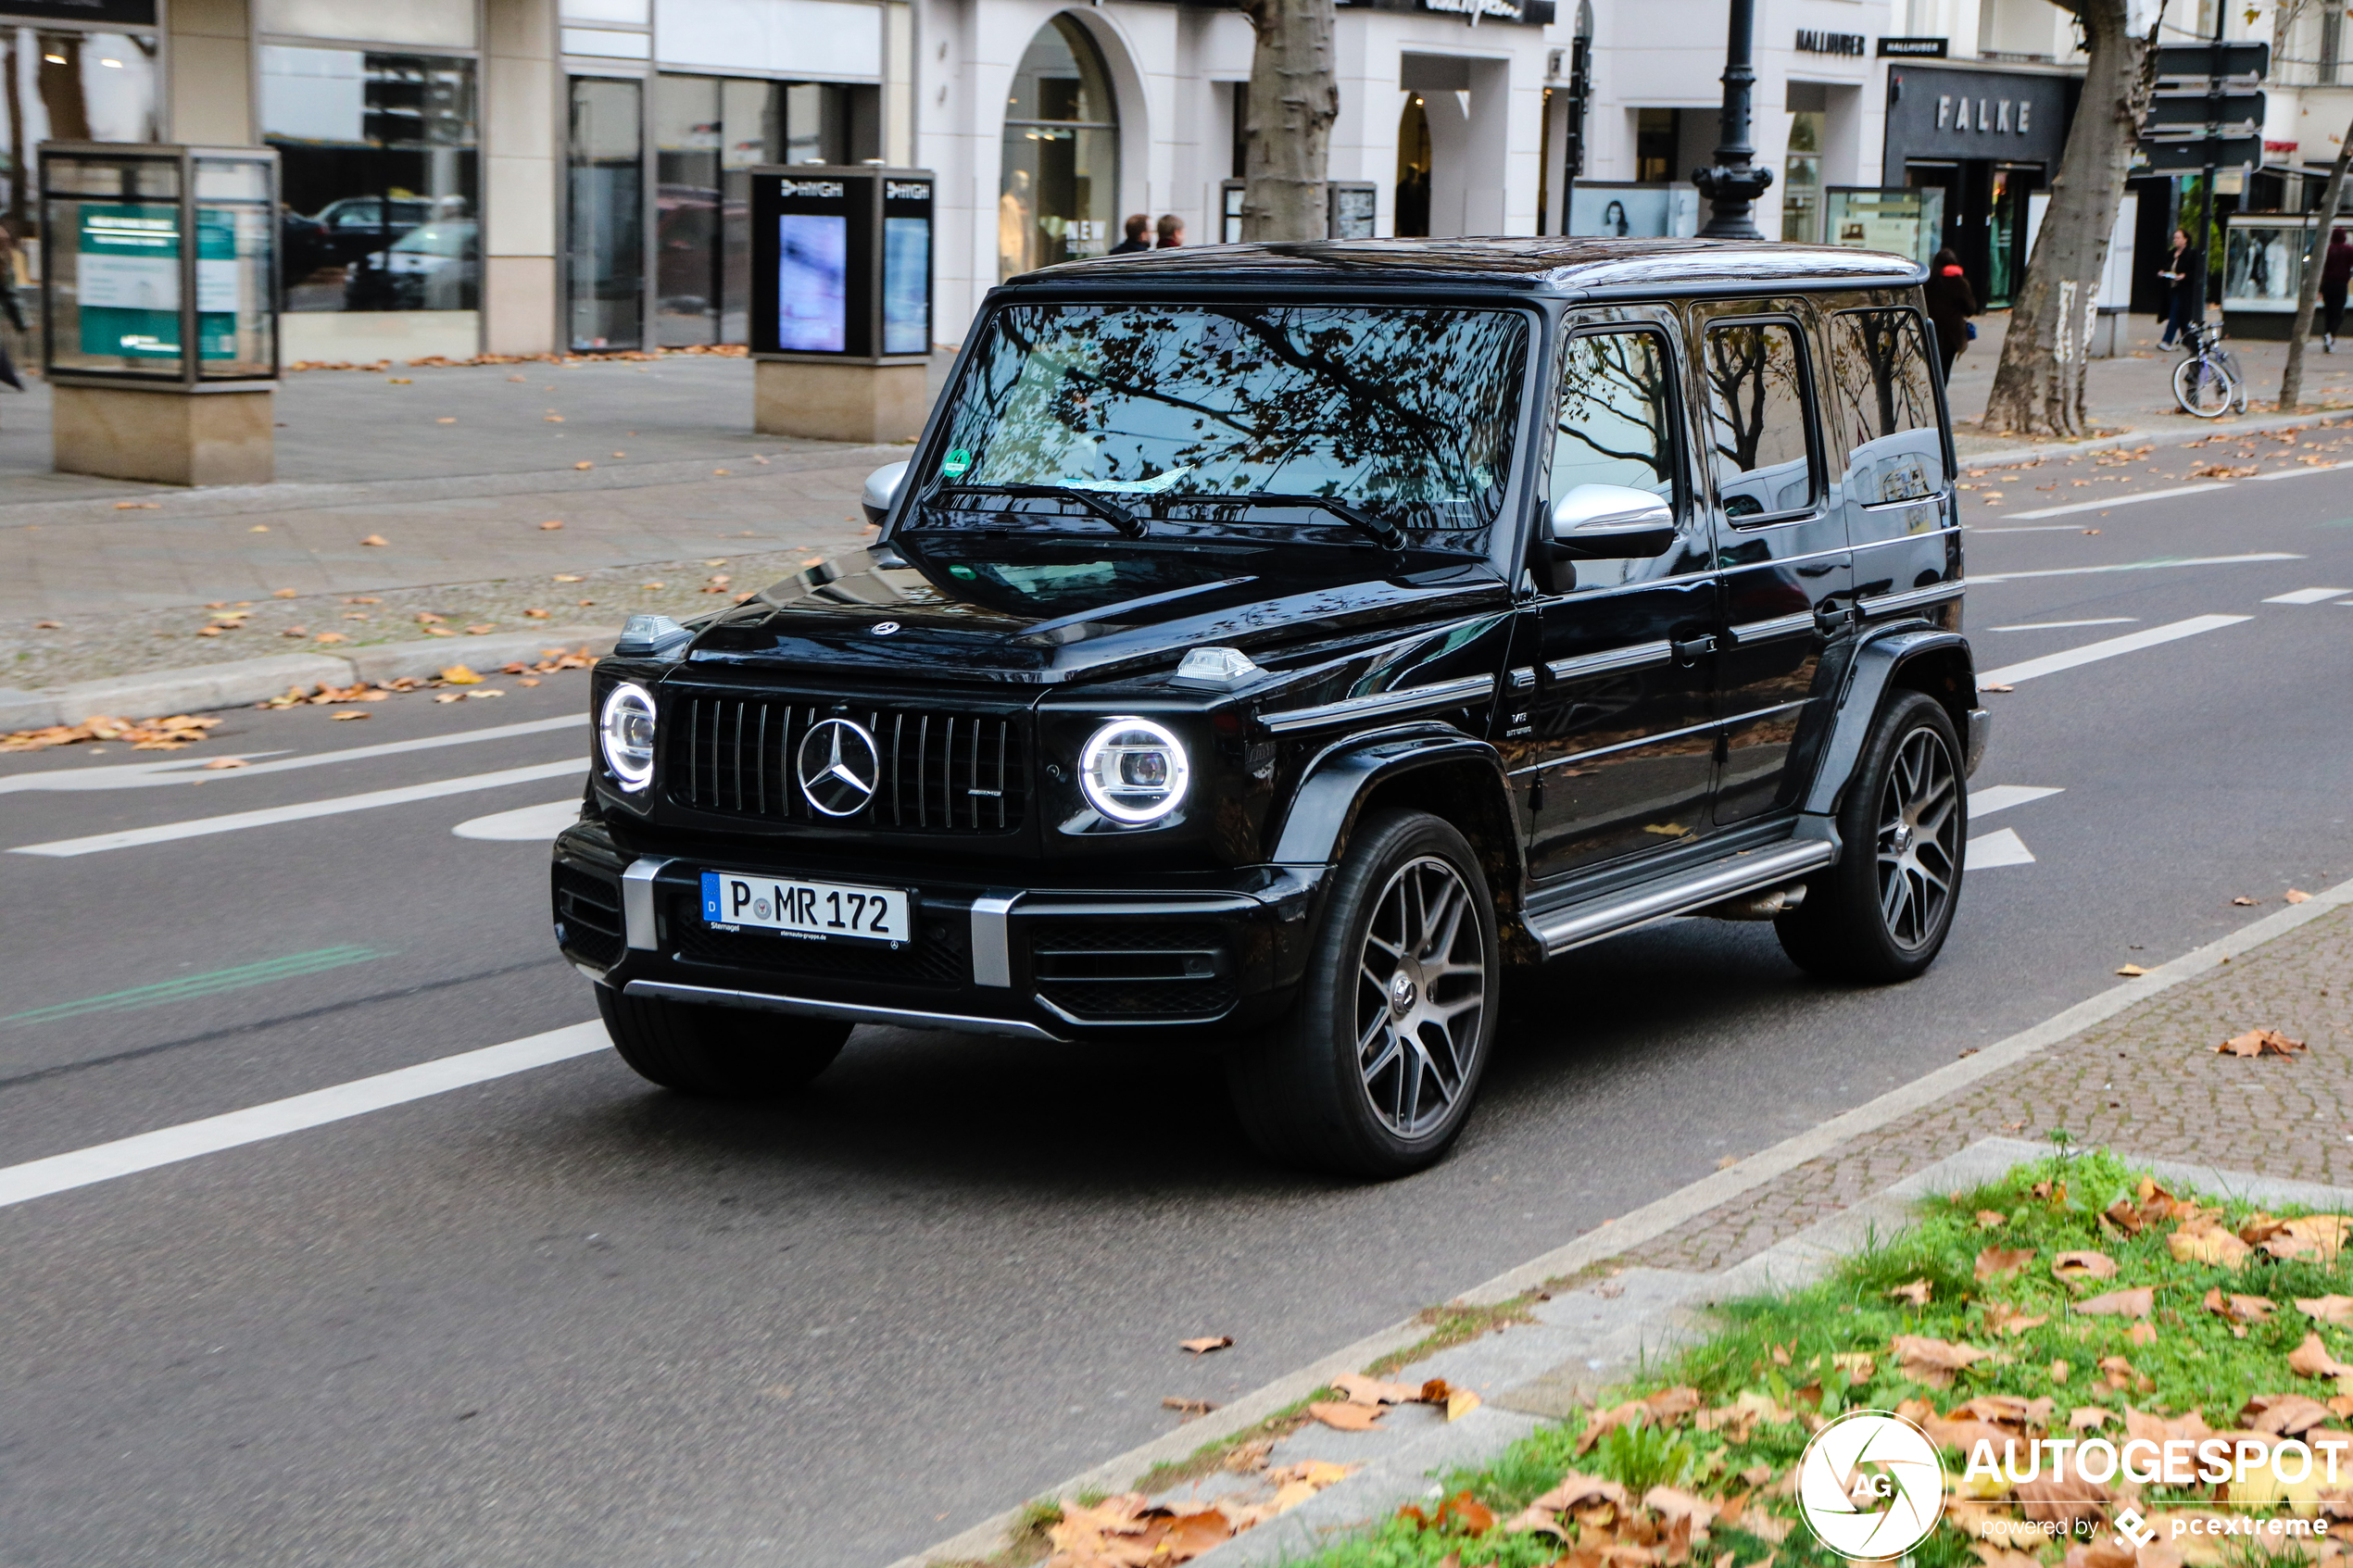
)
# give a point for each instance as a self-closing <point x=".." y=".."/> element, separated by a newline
<point x="2192" y="154"/>
<point x="2194" y="111"/>
<point x="2246" y="59"/>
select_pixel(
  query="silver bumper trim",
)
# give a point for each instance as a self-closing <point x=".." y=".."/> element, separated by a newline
<point x="1981" y="730"/>
<point x="807" y="1007"/>
<point x="637" y="901"/>
<point x="992" y="948"/>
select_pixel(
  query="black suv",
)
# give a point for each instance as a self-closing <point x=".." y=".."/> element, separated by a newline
<point x="1268" y="646"/>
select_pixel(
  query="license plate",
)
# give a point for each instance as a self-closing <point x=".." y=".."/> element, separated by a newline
<point x="820" y="910"/>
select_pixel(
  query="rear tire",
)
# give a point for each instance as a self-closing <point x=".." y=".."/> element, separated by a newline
<point x="2204" y="389"/>
<point x="1373" y="1073"/>
<point x="715" y="1052"/>
<point x="1881" y="913"/>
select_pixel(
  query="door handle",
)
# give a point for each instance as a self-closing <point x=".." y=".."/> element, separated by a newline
<point x="1689" y="653"/>
<point x="1829" y="616"/>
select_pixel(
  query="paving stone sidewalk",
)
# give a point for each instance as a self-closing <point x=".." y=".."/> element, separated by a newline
<point x="2147" y="1083"/>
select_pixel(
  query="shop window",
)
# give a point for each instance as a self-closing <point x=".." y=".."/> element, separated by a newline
<point x="1887" y="400"/>
<point x="70" y="87"/>
<point x="1757" y="429"/>
<point x="377" y="158"/>
<point x="604" y="255"/>
<point x="1657" y="137"/>
<point x="1413" y="168"/>
<point x="1059" y="191"/>
<point x="1802" y="179"/>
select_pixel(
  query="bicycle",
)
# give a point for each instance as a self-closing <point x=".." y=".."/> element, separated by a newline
<point x="2209" y="382"/>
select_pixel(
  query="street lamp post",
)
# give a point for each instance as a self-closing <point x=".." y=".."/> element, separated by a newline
<point x="1732" y="183"/>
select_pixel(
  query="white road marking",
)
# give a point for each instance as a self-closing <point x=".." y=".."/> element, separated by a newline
<point x="2307" y="595"/>
<point x="2312" y="467"/>
<point x="1976" y="579"/>
<point x="2038" y="528"/>
<point x="189" y="770"/>
<point x="169" y="1145"/>
<point x="528" y="824"/>
<point x="2001" y="798"/>
<point x="2092" y="653"/>
<point x="2120" y="500"/>
<point x="2063" y="625"/>
<point x="2003" y="848"/>
<point x="196" y="827"/>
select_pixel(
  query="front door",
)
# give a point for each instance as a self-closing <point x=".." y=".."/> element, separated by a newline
<point x="1619" y="750"/>
<point x="1781" y="543"/>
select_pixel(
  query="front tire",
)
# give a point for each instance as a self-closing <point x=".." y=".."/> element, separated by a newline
<point x="1374" y="1071"/>
<point x="2204" y="389"/>
<point x="718" y="1053"/>
<point x="1881" y="913"/>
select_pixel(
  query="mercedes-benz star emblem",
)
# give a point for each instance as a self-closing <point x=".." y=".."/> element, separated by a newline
<point x="838" y="767"/>
<point x="884" y="628"/>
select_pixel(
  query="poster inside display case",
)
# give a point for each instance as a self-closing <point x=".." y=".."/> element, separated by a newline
<point x="842" y="259"/>
<point x="155" y="249"/>
<point x="1908" y="221"/>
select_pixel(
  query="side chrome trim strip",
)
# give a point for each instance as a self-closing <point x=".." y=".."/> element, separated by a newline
<point x="1622" y="746"/>
<point x="637" y="901"/>
<point x="1935" y="592"/>
<point x="1444" y="694"/>
<point x="992" y="947"/>
<point x="805" y="1007"/>
<point x="1634" y="656"/>
<point x="1894" y="540"/>
<point x="1778" y="626"/>
<point x="1695" y="890"/>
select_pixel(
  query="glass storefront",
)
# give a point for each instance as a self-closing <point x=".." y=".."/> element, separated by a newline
<point x="1413" y="168"/>
<point x="605" y="258"/>
<point x="379" y="178"/>
<point x="1059" y="194"/>
<point x="63" y="86"/>
<point x="1802" y="179"/>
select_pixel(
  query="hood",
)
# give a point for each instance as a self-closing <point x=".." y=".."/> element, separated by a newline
<point x="1060" y="611"/>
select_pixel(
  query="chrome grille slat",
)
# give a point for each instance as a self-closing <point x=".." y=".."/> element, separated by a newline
<point x="735" y="757"/>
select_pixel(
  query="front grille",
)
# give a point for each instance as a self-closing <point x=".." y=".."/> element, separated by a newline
<point x="937" y="956"/>
<point x="1104" y="970"/>
<point x="940" y="772"/>
<point x="588" y="915"/>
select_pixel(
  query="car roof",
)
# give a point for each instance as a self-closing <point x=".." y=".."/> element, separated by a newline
<point x="1582" y="266"/>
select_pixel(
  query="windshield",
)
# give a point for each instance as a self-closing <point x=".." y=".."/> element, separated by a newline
<point x="1405" y="413"/>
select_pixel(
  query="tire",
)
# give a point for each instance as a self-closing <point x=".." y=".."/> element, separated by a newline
<point x="2204" y="389"/>
<point x="718" y="1053"/>
<point x="1348" y="1083"/>
<point x="1881" y="913"/>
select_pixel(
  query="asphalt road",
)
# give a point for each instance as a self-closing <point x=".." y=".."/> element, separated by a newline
<point x="559" y="1317"/>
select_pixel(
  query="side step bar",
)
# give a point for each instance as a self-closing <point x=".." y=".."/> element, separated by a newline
<point x="1559" y="930"/>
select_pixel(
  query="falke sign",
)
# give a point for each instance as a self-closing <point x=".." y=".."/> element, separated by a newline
<point x="1935" y="112"/>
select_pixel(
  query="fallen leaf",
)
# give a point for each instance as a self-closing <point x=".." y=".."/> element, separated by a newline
<point x="2132" y="971"/>
<point x="2245" y="1308"/>
<point x="2089" y="1418"/>
<point x="2284" y="1415"/>
<point x="1360" y="1389"/>
<point x="1996" y="1262"/>
<point x="1997" y="687"/>
<point x="2297" y="895"/>
<point x="1460" y="1402"/>
<point x="2084" y="1265"/>
<point x="2320" y="1237"/>
<point x="284" y="594"/>
<point x="2135" y="1303"/>
<point x="1933" y="1362"/>
<point x="584" y="465"/>
<point x="2142" y="1332"/>
<point x="2003" y="1318"/>
<point x="354" y="713"/>
<point x="221" y="763"/>
<point x="331" y="637"/>
<point x="1187" y="1409"/>
<point x="450" y="696"/>
<point x="2259" y="1042"/>
<point x="2244" y="903"/>
<point x="373" y="539"/>
<point x="2328" y="1309"/>
<point x="1201" y="1347"/>
<point x="1917" y="1292"/>
<point x="1345" y="1417"/>
<point x="480" y="630"/>
<point x="1246" y="1457"/>
<point x="2061" y="1371"/>
<point x="2207" y="1244"/>
<point x="400" y="380"/>
<point x="535" y="614"/>
<point x="569" y="577"/>
<point x="549" y="526"/>
<point x="259" y="528"/>
<point x="2119" y="1375"/>
<point x="1992" y="1219"/>
<point x="446" y="420"/>
<point x="136" y="506"/>
<point x="47" y="626"/>
<point x="459" y="675"/>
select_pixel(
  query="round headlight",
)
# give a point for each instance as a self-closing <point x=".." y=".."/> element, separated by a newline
<point x="1133" y="770"/>
<point x="626" y="732"/>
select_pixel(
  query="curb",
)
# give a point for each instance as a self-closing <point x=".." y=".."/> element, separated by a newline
<point x="2012" y="457"/>
<point x="1653" y="1220"/>
<point x="240" y="681"/>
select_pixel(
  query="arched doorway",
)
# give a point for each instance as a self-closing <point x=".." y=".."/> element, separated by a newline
<point x="1060" y="192"/>
<point x="1413" y="168"/>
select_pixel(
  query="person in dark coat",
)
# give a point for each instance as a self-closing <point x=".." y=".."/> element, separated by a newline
<point x="2175" y="274"/>
<point x="2336" y="270"/>
<point x="1950" y="304"/>
<point x="1140" y="227"/>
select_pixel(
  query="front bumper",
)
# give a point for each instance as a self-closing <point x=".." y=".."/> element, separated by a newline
<point x="1194" y="956"/>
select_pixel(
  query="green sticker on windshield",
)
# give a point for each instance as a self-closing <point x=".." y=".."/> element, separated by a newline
<point x="958" y="461"/>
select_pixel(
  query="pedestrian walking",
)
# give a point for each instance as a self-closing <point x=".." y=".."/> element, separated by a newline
<point x="1172" y="231"/>
<point x="2336" y="270"/>
<point x="2175" y="274"/>
<point x="1950" y="304"/>
<point x="1138" y="226"/>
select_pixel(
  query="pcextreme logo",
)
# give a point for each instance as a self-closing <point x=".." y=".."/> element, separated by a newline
<point x="1870" y="1485"/>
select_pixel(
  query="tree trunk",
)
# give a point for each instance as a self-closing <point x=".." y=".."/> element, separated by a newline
<point x="2308" y="293"/>
<point x="2038" y="388"/>
<point x="1288" y="129"/>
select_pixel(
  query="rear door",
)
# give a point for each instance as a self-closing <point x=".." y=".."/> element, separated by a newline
<point x="1618" y="754"/>
<point x="1780" y="542"/>
<point x="1897" y="489"/>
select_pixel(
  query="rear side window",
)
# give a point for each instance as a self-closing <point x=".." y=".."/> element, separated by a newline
<point x="1758" y="434"/>
<point x="1880" y="360"/>
<point x="1617" y="419"/>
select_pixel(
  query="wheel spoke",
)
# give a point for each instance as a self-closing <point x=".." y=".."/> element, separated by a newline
<point x="1414" y="1063"/>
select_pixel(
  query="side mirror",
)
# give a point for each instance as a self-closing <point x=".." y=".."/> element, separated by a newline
<point x="882" y="487"/>
<point x="1612" y="523"/>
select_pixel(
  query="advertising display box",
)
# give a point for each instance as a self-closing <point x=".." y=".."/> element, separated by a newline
<point x="159" y="308"/>
<point x="841" y="300"/>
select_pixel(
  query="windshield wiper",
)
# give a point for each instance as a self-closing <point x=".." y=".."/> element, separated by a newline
<point x="1379" y="530"/>
<point x="1119" y="516"/>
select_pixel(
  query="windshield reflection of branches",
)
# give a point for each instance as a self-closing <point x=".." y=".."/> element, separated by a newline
<point x="1754" y="374"/>
<point x="1614" y="410"/>
<point x="1411" y="412"/>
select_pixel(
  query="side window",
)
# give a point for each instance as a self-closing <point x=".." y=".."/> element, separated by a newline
<point x="1617" y="419"/>
<point x="1880" y="360"/>
<point x="1756" y="422"/>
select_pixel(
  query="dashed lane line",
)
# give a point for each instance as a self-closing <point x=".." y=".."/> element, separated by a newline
<point x="1979" y="579"/>
<point x="528" y="824"/>
<point x="2003" y="847"/>
<point x="2307" y="595"/>
<point x="2092" y="653"/>
<point x="190" y="769"/>
<point x="169" y="1145"/>
<point x="2063" y="625"/>
<point x="197" y="827"/>
<point x="2116" y="501"/>
<point x="2001" y="798"/>
<point x="2297" y="473"/>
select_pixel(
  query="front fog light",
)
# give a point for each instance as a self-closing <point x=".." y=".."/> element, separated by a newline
<point x="626" y="732"/>
<point x="1133" y="770"/>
